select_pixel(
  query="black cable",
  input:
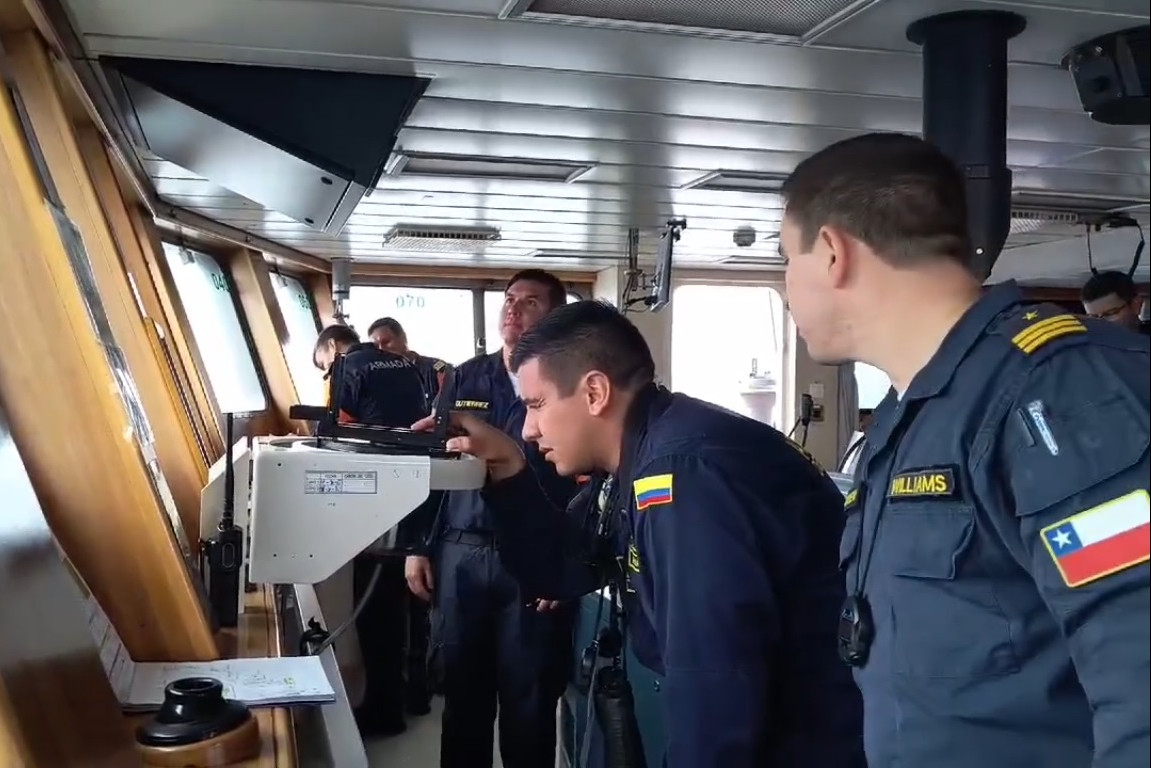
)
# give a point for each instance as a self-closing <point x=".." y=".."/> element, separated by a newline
<point x="1090" y="256"/>
<point x="316" y="634"/>
<point x="794" y="427"/>
<point x="1138" y="250"/>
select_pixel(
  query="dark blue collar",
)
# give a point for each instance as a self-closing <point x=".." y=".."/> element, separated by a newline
<point x="938" y="372"/>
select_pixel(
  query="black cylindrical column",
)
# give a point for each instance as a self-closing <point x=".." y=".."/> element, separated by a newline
<point x="965" y="114"/>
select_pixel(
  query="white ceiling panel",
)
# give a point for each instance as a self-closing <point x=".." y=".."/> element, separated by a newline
<point x="728" y="126"/>
<point x="650" y="112"/>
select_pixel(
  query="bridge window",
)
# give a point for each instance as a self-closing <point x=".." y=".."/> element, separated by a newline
<point x="727" y="347"/>
<point x="438" y="321"/>
<point x="207" y="297"/>
<point x="300" y="318"/>
<point x="872" y="384"/>
<point x="493" y="304"/>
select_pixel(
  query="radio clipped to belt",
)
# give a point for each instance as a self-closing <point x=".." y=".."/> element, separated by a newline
<point x="602" y="673"/>
<point x="614" y="702"/>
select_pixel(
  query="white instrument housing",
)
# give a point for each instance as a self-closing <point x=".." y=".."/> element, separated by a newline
<point x="314" y="509"/>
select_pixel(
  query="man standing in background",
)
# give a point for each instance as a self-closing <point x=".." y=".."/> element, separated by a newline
<point x="387" y="334"/>
<point x="1112" y="296"/>
<point x="490" y="644"/>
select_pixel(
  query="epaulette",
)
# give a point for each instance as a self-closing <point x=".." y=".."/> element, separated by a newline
<point x="438" y="365"/>
<point x="1031" y="328"/>
<point x="804" y="452"/>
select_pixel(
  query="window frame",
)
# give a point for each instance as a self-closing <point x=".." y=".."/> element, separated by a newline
<point x="788" y="340"/>
<point x="302" y="279"/>
<point x="478" y="287"/>
<point x="275" y="273"/>
<point x="222" y="262"/>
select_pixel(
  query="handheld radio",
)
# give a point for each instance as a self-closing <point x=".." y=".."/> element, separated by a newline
<point x="225" y="551"/>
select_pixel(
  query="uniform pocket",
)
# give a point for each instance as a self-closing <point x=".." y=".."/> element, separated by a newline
<point x="947" y="620"/>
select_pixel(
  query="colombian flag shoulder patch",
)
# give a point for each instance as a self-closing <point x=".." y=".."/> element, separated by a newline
<point x="652" y="491"/>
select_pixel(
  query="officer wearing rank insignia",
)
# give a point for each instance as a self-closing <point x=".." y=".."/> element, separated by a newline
<point x="720" y="534"/>
<point x="496" y="649"/>
<point x="996" y="544"/>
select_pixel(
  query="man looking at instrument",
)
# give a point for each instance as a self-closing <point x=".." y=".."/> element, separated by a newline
<point x="719" y="533"/>
<point x="996" y="542"/>
<point x="491" y="644"/>
<point x="379" y="387"/>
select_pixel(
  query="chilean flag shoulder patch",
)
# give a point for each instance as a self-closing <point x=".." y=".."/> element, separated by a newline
<point x="1106" y="539"/>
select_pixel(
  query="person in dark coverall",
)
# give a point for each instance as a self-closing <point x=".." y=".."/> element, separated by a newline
<point x="380" y="388"/>
<point x="389" y="335"/>
<point x="996" y="542"/>
<point x="491" y="642"/>
<point x="1112" y="296"/>
<point x="728" y="530"/>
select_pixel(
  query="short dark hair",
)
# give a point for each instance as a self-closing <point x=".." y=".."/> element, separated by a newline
<point x="585" y="336"/>
<point x="899" y="194"/>
<point x="557" y="293"/>
<point x="1109" y="283"/>
<point x="389" y="324"/>
<point x="341" y="334"/>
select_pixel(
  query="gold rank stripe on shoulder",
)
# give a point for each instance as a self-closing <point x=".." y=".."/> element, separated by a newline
<point x="471" y="405"/>
<point x="1045" y="331"/>
<point x="438" y="365"/>
<point x="851" y="498"/>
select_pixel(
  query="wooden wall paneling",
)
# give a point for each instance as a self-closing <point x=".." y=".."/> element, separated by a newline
<point x="118" y="211"/>
<point x="266" y="323"/>
<point x="320" y="286"/>
<point x="178" y="326"/>
<point x="14" y="751"/>
<point x="57" y="708"/>
<point x="122" y="273"/>
<point x="72" y="428"/>
<point x="14" y="17"/>
<point x="181" y="395"/>
<point x="165" y="423"/>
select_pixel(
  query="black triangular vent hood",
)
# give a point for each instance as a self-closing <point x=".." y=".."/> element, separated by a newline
<point x="305" y="143"/>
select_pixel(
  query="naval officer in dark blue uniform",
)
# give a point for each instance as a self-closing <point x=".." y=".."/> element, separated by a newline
<point x="387" y="334"/>
<point x="996" y="542"/>
<point x="492" y="644"/>
<point x="727" y="534"/>
<point x="379" y="387"/>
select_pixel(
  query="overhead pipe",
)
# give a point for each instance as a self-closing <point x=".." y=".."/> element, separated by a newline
<point x="965" y="114"/>
<point x="341" y="286"/>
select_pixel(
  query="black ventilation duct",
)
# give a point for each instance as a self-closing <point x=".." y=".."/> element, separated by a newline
<point x="306" y="143"/>
<point x="1111" y="74"/>
<point x="965" y="114"/>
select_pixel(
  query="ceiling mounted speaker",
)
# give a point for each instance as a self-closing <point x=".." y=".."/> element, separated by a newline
<point x="1111" y="74"/>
